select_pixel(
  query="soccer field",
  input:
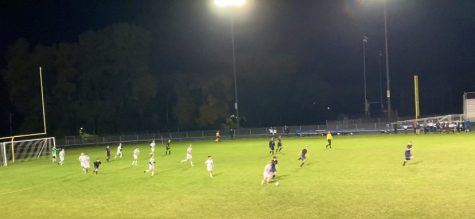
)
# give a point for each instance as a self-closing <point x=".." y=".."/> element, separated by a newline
<point x="360" y="177"/>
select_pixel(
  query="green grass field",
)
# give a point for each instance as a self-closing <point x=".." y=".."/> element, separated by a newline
<point x="361" y="177"/>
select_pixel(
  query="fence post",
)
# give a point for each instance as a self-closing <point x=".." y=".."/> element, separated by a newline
<point x="202" y="133"/>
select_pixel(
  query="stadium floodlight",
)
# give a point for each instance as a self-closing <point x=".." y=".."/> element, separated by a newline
<point x="229" y="3"/>
<point x="232" y="4"/>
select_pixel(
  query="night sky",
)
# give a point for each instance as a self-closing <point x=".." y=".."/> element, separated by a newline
<point x="312" y="41"/>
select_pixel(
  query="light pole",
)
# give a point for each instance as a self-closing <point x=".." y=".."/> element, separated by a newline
<point x="388" y="88"/>
<point x="366" y="104"/>
<point x="232" y="4"/>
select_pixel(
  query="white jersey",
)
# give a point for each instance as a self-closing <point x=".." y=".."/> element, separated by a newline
<point x="152" y="145"/>
<point x="136" y="153"/>
<point x="188" y="153"/>
<point x="84" y="159"/>
<point x="267" y="171"/>
<point x="209" y="164"/>
<point x="151" y="164"/>
<point x="61" y="154"/>
<point x="119" y="149"/>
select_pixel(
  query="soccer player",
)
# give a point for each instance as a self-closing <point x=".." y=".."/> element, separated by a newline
<point x="267" y="175"/>
<point x="188" y="155"/>
<point x="303" y="156"/>
<point x="218" y="137"/>
<point x="151" y="166"/>
<point x="97" y="163"/>
<point x="108" y="153"/>
<point x="271" y="146"/>
<point x="119" y="151"/>
<point x="273" y="164"/>
<point x="54" y="152"/>
<point x="61" y="156"/>
<point x="407" y="153"/>
<point x="84" y="160"/>
<point x="136" y="156"/>
<point x="209" y="166"/>
<point x="152" y="147"/>
<point x="168" y="150"/>
<point x="329" y="139"/>
<point x="279" y="144"/>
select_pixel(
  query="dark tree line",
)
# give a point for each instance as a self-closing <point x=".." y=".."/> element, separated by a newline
<point x="104" y="83"/>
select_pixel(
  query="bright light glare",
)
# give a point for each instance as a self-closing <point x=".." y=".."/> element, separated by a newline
<point x="229" y="3"/>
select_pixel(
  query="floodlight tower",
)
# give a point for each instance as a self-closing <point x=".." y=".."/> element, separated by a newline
<point x="232" y="5"/>
<point x="388" y="88"/>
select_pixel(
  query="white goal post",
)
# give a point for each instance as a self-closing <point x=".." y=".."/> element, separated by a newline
<point x="25" y="150"/>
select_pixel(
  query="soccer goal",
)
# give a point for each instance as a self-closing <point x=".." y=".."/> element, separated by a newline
<point x="24" y="150"/>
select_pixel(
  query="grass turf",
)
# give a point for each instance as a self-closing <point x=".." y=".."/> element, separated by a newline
<point x="361" y="177"/>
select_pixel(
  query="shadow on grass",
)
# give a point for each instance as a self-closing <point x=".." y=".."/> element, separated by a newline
<point x="416" y="162"/>
<point x="217" y="174"/>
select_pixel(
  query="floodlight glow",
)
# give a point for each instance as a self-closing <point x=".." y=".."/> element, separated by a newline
<point x="229" y="3"/>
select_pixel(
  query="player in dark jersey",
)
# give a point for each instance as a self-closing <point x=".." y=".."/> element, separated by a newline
<point x="108" y="153"/>
<point x="271" y="146"/>
<point x="407" y="154"/>
<point x="168" y="150"/>
<point x="303" y="156"/>
<point x="279" y="144"/>
<point x="97" y="163"/>
<point x="273" y="165"/>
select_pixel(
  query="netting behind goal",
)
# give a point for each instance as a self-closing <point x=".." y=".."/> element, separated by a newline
<point x="25" y="149"/>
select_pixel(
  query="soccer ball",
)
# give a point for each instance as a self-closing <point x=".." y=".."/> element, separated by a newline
<point x="276" y="183"/>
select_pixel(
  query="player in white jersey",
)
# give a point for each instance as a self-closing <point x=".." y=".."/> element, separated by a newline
<point x="61" y="156"/>
<point x="209" y="166"/>
<point x="119" y="151"/>
<point x="84" y="160"/>
<point x="152" y="147"/>
<point x="188" y="155"/>
<point x="267" y="175"/>
<point x="151" y="166"/>
<point x="136" y="156"/>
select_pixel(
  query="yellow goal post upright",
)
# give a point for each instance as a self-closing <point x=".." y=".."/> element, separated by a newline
<point x="4" y="141"/>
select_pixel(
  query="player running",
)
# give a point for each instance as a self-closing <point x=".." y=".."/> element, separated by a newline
<point x="329" y="139"/>
<point x="151" y="166"/>
<point x="267" y="175"/>
<point x="84" y="160"/>
<point x="273" y="168"/>
<point x="119" y="151"/>
<point x="218" y="137"/>
<point x="209" y="166"/>
<point x="408" y="153"/>
<point x="108" y="153"/>
<point x="271" y="146"/>
<point x="97" y="163"/>
<point x="61" y="156"/>
<point x="303" y="156"/>
<point x="152" y="147"/>
<point x="54" y="152"/>
<point x="189" y="155"/>
<point x="279" y="144"/>
<point x="168" y="150"/>
<point x="136" y="156"/>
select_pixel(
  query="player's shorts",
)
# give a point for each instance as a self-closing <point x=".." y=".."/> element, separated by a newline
<point x="209" y="169"/>
<point x="302" y="158"/>
<point x="136" y="157"/>
<point x="151" y="167"/>
<point x="61" y="158"/>
<point x="188" y="157"/>
<point x="96" y="169"/>
<point x="408" y="158"/>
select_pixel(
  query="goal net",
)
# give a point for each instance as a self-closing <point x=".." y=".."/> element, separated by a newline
<point x="24" y="150"/>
